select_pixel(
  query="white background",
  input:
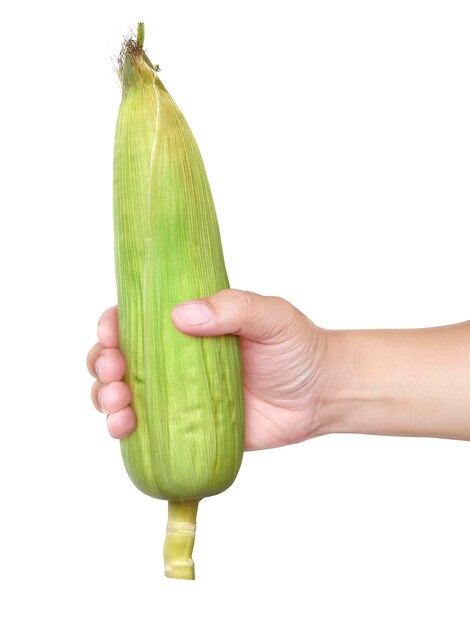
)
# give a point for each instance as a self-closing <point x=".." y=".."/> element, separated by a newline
<point x="336" y="138"/>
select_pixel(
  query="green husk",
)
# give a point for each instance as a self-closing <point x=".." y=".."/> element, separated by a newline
<point x="187" y="392"/>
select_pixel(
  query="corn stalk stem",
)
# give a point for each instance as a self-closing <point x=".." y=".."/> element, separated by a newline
<point x="180" y="533"/>
<point x="140" y="34"/>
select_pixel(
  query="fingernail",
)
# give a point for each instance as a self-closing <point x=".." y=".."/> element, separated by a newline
<point x="194" y="313"/>
<point x="98" y="364"/>
<point x="100" y="398"/>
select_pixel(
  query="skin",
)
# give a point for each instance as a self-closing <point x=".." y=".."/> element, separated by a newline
<point x="302" y="381"/>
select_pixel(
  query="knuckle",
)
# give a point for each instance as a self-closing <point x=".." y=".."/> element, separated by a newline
<point x="239" y="304"/>
<point x="242" y="302"/>
<point x="284" y="305"/>
<point x="110" y="312"/>
<point x="120" y="391"/>
<point x="112" y="365"/>
<point x="285" y="324"/>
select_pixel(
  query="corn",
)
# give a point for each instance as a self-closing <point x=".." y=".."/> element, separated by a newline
<point x="187" y="392"/>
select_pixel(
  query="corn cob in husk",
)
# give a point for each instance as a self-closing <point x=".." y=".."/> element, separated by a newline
<point x="187" y="391"/>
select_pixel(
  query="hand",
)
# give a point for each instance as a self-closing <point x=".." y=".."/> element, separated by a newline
<point x="283" y="355"/>
<point x="106" y="363"/>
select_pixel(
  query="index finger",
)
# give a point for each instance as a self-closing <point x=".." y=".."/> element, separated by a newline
<point x="108" y="328"/>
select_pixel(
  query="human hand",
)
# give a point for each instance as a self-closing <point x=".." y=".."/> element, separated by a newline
<point x="283" y="358"/>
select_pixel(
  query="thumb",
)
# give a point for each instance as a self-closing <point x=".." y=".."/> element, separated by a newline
<point x="265" y="319"/>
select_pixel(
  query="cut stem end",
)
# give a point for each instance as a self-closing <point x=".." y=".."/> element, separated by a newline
<point x="140" y="34"/>
<point x="179" y="543"/>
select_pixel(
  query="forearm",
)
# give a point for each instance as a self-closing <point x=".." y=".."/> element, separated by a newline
<point x="399" y="382"/>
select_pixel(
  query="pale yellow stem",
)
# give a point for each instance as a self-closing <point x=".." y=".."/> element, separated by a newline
<point x="180" y="533"/>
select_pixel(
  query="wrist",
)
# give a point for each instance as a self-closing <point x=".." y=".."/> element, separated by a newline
<point x="358" y="393"/>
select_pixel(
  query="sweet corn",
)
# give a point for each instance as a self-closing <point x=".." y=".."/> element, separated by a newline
<point x="187" y="391"/>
